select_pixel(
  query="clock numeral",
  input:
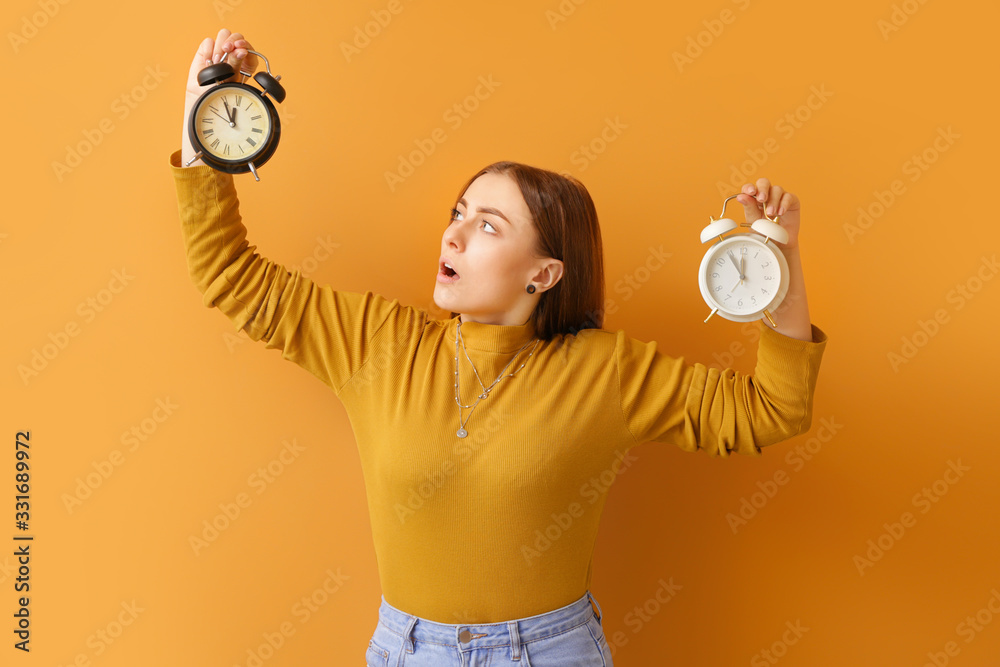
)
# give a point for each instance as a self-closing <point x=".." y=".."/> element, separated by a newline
<point x="215" y="143"/>
<point x="718" y="287"/>
<point x="715" y="275"/>
<point x="241" y="149"/>
<point x="764" y="291"/>
<point x="255" y="117"/>
<point x="755" y="254"/>
<point x="257" y="129"/>
<point x="226" y="152"/>
<point x="239" y="100"/>
<point x="213" y="108"/>
<point x="765" y="265"/>
<point x="754" y="300"/>
<point x="207" y="120"/>
<point x="743" y="250"/>
<point x="768" y="278"/>
<point x="251" y="141"/>
<point x="739" y="304"/>
<point x="728" y="296"/>
<point x="208" y="131"/>
<point x="720" y="262"/>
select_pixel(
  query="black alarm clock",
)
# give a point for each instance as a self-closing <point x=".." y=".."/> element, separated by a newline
<point x="234" y="128"/>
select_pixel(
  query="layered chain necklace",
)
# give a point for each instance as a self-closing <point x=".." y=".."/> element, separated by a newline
<point x="485" y="390"/>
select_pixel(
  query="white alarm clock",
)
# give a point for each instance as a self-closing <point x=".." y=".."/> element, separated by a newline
<point x="743" y="276"/>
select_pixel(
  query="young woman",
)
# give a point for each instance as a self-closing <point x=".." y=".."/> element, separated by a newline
<point x="488" y="441"/>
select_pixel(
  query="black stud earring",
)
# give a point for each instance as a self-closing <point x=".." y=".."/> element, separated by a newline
<point x="531" y="289"/>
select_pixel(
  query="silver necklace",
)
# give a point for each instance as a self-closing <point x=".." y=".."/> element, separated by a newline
<point x="485" y="390"/>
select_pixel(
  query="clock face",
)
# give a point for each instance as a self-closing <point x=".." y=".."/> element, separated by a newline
<point x="742" y="276"/>
<point x="232" y="123"/>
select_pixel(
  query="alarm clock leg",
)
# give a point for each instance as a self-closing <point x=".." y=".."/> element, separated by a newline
<point x="769" y="318"/>
<point x="711" y="313"/>
<point x="253" y="170"/>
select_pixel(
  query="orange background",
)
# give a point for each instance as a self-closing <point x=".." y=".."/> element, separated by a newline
<point x="345" y="124"/>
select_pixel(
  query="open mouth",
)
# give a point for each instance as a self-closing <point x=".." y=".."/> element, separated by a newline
<point x="447" y="273"/>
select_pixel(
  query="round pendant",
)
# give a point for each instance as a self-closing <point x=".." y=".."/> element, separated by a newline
<point x="462" y="433"/>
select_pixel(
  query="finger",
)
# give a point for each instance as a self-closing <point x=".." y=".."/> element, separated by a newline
<point x="751" y="207"/>
<point x="747" y="195"/>
<point x="220" y="40"/>
<point x="788" y="202"/>
<point x="773" y="198"/>
<point x="245" y="60"/>
<point x="231" y="49"/>
<point x="236" y="51"/>
<point x="763" y="187"/>
<point x="201" y="58"/>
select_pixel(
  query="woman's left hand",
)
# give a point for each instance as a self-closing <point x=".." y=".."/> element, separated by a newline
<point x="763" y="196"/>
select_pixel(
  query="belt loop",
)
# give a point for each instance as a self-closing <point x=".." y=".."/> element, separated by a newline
<point x="594" y="601"/>
<point x="407" y="640"/>
<point x="515" y="641"/>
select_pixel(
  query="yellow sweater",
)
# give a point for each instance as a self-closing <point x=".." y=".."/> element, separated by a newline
<point x="500" y="524"/>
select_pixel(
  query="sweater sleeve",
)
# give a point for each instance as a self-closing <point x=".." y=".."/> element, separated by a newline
<point x="326" y="332"/>
<point x="719" y="411"/>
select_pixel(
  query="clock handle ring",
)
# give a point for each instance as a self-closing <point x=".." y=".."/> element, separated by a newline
<point x="726" y="201"/>
<point x="267" y="81"/>
<point x="267" y="65"/>
<point x="763" y="213"/>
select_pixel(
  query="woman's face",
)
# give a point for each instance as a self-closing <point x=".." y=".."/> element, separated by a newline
<point x="490" y="245"/>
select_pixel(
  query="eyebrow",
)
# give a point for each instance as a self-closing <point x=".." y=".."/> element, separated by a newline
<point x="487" y="209"/>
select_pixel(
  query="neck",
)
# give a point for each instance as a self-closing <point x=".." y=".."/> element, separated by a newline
<point x="501" y="338"/>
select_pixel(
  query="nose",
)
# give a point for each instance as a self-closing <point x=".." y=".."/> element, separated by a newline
<point x="454" y="234"/>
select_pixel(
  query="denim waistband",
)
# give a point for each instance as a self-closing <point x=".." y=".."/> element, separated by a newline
<point x="470" y="636"/>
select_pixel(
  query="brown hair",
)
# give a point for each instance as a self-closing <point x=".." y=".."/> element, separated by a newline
<point x="566" y="221"/>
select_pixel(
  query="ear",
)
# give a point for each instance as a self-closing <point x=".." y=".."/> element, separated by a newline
<point x="550" y="274"/>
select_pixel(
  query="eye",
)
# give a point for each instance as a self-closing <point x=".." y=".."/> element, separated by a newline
<point x="456" y="212"/>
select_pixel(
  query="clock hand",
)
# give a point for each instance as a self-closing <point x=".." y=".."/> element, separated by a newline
<point x="742" y="275"/>
<point x="229" y="112"/>
<point x="231" y="124"/>
<point x="730" y="253"/>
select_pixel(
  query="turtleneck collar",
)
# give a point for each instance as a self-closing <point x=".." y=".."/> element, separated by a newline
<point x="491" y="337"/>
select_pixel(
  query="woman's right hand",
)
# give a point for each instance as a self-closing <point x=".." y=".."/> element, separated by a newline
<point x="234" y="47"/>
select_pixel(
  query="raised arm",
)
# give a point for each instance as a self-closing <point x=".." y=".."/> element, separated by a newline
<point x="696" y="407"/>
<point x="328" y="333"/>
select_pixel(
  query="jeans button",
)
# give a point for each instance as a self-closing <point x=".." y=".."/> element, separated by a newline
<point x="464" y="636"/>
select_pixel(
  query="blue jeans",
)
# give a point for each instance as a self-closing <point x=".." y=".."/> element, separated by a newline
<point x="570" y="635"/>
